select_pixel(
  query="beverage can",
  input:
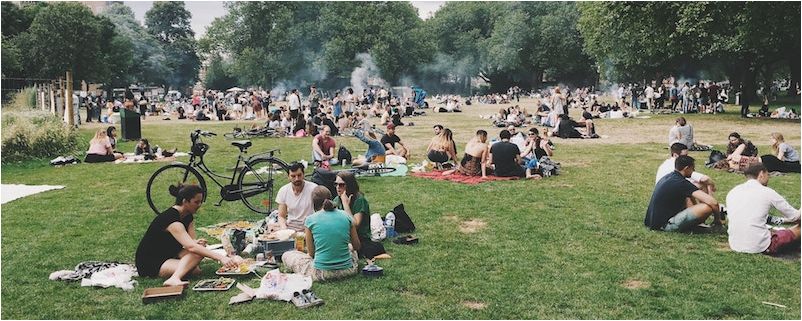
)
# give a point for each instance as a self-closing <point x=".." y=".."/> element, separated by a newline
<point x="299" y="242"/>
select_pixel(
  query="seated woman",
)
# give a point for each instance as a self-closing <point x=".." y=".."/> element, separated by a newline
<point x="170" y="248"/>
<point x="328" y="234"/>
<point x="441" y="148"/>
<point x="375" y="153"/>
<point x="785" y="158"/>
<point x="143" y="148"/>
<point x="474" y="163"/>
<point x="100" y="149"/>
<point x="739" y="148"/>
<point x="347" y="186"/>
<point x="111" y="133"/>
<point x="536" y="147"/>
<point x="566" y="128"/>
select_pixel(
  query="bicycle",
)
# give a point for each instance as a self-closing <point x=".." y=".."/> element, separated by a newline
<point x="239" y="133"/>
<point x="254" y="185"/>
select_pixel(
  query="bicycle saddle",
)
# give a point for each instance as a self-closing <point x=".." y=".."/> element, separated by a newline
<point x="241" y="144"/>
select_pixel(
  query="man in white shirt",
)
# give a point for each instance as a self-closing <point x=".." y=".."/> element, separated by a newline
<point x="749" y="205"/>
<point x="295" y="104"/>
<point x="702" y="181"/>
<point x="649" y="92"/>
<point x="517" y="138"/>
<point x="295" y="199"/>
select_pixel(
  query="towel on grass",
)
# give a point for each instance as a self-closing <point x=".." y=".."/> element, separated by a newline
<point x="11" y="192"/>
<point x="460" y="178"/>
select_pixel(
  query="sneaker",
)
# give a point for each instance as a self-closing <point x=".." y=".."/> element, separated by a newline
<point x="774" y="220"/>
<point x="300" y="301"/>
<point x="313" y="298"/>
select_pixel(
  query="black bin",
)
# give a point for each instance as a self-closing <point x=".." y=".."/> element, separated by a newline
<point x="131" y="124"/>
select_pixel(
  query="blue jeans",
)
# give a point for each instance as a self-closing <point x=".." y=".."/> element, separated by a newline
<point x="375" y="147"/>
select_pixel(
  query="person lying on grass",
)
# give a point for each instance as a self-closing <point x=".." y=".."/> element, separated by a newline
<point x="474" y="163"/>
<point x="702" y="181"/>
<point x="170" y="247"/>
<point x="677" y="204"/>
<point x="375" y="154"/>
<point x="749" y="205"/>
<point x="330" y="234"/>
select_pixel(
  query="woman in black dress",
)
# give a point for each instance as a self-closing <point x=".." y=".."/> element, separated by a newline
<point x="170" y="248"/>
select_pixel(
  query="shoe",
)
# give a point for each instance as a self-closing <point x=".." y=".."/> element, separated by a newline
<point x="774" y="220"/>
<point x="313" y="299"/>
<point x="300" y="301"/>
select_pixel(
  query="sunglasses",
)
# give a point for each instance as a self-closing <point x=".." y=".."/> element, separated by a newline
<point x="340" y="184"/>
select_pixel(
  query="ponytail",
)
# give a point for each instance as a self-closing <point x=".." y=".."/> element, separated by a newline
<point x="328" y="205"/>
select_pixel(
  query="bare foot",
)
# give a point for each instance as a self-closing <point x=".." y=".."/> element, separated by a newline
<point x="175" y="282"/>
<point x="382" y="256"/>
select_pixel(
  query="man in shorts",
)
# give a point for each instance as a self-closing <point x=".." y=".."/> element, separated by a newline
<point x="677" y="204"/>
<point x="749" y="205"/>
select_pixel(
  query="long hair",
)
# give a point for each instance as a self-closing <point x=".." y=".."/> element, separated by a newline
<point x="109" y="131"/>
<point x="351" y="186"/>
<point x="444" y="139"/>
<point x="778" y="139"/>
<point x="730" y="146"/>
<point x="100" y="136"/>
<point x="321" y="199"/>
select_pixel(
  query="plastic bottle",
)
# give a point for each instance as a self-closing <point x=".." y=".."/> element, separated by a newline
<point x="389" y="224"/>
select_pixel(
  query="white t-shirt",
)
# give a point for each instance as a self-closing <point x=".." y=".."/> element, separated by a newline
<point x="668" y="166"/>
<point x="748" y="207"/>
<point x="518" y="139"/>
<point x="295" y="102"/>
<point x="649" y="92"/>
<point x="298" y="206"/>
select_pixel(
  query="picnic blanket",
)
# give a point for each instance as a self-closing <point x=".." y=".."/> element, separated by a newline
<point x="460" y="178"/>
<point x="130" y="158"/>
<point x="14" y="191"/>
<point x="400" y="170"/>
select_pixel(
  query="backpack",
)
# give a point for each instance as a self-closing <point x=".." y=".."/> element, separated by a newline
<point x="715" y="157"/>
<point x="548" y="167"/>
<point x="377" y="230"/>
<point x="403" y="223"/>
<point x="343" y="155"/>
<point x="325" y="178"/>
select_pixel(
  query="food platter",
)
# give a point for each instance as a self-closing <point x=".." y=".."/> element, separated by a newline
<point x="243" y="269"/>
<point x="221" y="284"/>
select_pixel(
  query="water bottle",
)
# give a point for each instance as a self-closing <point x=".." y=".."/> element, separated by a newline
<point x="389" y="224"/>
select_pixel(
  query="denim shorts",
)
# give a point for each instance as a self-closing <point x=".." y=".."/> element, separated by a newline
<point x="682" y="221"/>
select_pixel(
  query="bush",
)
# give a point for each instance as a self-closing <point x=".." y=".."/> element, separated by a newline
<point x="23" y="100"/>
<point x="33" y="134"/>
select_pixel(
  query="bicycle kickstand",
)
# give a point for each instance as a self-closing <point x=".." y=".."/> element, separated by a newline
<point x="219" y="203"/>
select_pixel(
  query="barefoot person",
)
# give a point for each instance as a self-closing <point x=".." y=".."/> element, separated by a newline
<point x="170" y="248"/>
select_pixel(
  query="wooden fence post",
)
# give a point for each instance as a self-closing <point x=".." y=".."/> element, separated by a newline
<point x="68" y="100"/>
<point x="52" y="93"/>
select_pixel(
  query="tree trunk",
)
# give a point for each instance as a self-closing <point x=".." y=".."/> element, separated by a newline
<point x="793" y="62"/>
<point x="537" y="79"/>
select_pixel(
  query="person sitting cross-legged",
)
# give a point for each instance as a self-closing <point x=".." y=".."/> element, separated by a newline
<point x="677" y="204"/>
<point x="323" y="146"/>
<point x="749" y="205"/>
<point x="506" y="157"/>
<point x="330" y="236"/>
<point x="392" y="143"/>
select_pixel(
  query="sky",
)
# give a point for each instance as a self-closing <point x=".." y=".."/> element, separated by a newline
<point x="204" y="12"/>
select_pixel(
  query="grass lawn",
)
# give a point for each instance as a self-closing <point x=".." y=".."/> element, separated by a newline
<point x="568" y="247"/>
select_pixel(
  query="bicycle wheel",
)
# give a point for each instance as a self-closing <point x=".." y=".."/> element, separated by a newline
<point x="374" y="171"/>
<point x="258" y="183"/>
<point x="158" y="190"/>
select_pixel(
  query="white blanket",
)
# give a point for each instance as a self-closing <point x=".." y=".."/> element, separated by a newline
<point x="11" y="192"/>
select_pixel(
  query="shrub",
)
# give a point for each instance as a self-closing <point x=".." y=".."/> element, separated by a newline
<point x="30" y="134"/>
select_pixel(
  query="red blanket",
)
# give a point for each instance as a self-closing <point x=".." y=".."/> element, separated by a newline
<point x="460" y="178"/>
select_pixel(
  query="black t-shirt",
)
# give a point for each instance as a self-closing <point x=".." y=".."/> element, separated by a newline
<point x="668" y="199"/>
<point x="158" y="245"/>
<point x="504" y="158"/>
<point x="587" y="115"/>
<point x="387" y="139"/>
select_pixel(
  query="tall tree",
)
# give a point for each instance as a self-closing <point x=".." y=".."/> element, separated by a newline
<point x="148" y="60"/>
<point x="169" y="23"/>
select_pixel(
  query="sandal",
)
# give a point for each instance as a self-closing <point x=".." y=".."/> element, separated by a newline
<point x="313" y="299"/>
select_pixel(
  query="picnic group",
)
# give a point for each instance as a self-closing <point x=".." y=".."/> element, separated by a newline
<point x="337" y="229"/>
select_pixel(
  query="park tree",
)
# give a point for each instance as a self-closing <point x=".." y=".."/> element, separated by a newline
<point x="147" y="60"/>
<point x="218" y="75"/>
<point x="169" y="23"/>
<point x="15" y="20"/>
<point x="512" y="43"/>
<point x="64" y="36"/>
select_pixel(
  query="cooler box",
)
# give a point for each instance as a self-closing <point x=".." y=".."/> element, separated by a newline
<point x="278" y="247"/>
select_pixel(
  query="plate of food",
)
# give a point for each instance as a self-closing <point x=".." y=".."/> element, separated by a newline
<point x="243" y="269"/>
<point x="221" y="284"/>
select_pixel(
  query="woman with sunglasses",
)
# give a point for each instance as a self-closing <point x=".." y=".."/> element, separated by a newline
<point x="348" y="190"/>
<point x="536" y="147"/>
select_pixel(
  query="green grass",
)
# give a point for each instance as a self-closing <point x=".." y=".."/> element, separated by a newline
<point x="558" y="248"/>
